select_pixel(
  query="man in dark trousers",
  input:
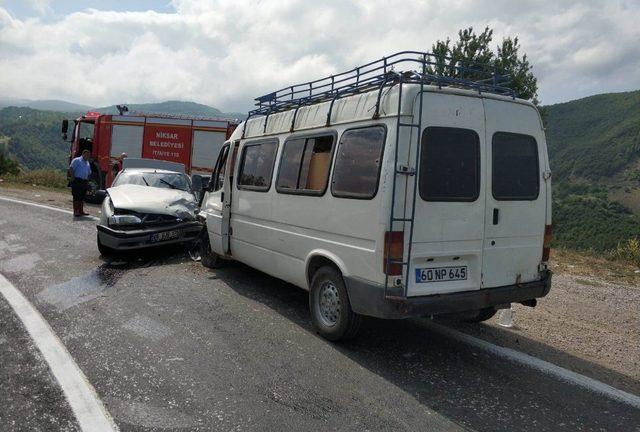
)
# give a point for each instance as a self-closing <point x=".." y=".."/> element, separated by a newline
<point x="79" y="171"/>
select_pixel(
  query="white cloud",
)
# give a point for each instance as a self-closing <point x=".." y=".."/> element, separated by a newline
<point x="226" y="53"/>
<point x="41" y="7"/>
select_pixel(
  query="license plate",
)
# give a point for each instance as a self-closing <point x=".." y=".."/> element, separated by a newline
<point x="441" y="274"/>
<point x="164" y="236"/>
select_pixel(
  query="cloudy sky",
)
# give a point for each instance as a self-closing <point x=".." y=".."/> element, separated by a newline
<point x="225" y="53"/>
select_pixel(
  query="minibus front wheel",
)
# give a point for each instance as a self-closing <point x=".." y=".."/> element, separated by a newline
<point x="208" y="258"/>
<point x="330" y="308"/>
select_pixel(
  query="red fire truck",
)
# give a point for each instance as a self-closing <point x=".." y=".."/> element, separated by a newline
<point x="193" y="142"/>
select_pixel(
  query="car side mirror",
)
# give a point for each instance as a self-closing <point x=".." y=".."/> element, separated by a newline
<point x="197" y="185"/>
<point x="197" y="182"/>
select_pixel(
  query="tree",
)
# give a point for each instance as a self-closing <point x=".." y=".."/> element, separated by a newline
<point x="8" y="165"/>
<point x="471" y="57"/>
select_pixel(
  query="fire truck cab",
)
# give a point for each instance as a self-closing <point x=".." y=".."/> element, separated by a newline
<point x="193" y="142"/>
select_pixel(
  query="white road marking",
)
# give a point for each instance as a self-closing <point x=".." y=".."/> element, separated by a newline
<point x="29" y="203"/>
<point x="87" y="407"/>
<point x="541" y="365"/>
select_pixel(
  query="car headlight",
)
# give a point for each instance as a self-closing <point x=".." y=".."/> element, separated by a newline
<point x="124" y="220"/>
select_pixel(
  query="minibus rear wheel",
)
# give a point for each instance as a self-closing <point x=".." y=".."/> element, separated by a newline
<point x="331" y="311"/>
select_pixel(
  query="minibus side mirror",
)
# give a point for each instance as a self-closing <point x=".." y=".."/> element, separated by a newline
<point x="65" y="128"/>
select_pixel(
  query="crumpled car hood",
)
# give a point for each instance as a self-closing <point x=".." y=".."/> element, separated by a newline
<point x="146" y="199"/>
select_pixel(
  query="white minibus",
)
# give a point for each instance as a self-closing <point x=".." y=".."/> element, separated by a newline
<point x="389" y="193"/>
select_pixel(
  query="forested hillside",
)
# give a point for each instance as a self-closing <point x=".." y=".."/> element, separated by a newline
<point x="34" y="137"/>
<point x="594" y="151"/>
<point x="594" y="137"/>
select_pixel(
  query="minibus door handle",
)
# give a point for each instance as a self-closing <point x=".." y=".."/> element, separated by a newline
<point x="496" y="216"/>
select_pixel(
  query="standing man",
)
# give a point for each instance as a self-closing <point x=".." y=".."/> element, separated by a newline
<point x="79" y="171"/>
<point x="116" y="167"/>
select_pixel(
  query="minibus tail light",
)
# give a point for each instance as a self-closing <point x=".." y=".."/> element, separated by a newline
<point x="393" y="248"/>
<point x="546" y="245"/>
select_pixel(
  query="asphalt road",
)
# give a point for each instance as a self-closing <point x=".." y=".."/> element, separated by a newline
<point x="170" y="345"/>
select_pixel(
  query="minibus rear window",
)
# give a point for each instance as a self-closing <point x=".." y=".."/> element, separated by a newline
<point x="449" y="164"/>
<point x="256" y="166"/>
<point x="304" y="165"/>
<point x="358" y="159"/>
<point x="514" y="167"/>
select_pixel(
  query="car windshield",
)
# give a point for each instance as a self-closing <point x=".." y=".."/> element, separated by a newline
<point x="154" y="179"/>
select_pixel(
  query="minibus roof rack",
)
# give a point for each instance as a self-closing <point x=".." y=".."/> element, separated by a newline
<point x="412" y="66"/>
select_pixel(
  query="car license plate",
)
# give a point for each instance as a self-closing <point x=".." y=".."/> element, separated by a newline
<point x="164" y="236"/>
<point x="441" y="274"/>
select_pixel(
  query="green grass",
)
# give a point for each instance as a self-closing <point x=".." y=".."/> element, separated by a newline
<point x="628" y="251"/>
<point x="48" y="178"/>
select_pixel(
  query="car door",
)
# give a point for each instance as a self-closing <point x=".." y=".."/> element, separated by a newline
<point x="516" y="194"/>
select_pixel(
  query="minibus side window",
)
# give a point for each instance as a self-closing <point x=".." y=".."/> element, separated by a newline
<point x="515" y="167"/>
<point x="290" y="164"/>
<point x="256" y="166"/>
<point x="449" y="165"/>
<point x="358" y="160"/>
<point x="304" y="165"/>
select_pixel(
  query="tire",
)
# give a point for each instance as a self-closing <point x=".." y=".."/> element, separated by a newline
<point x="104" y="250"/>
<point x="208" y="258"/>
<point x="331" y="312"/>
<point x="483" y="315"/>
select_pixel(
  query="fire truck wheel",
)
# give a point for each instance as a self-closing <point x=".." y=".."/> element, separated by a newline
<point x="93" y="185"/>
<point x="330" y="308"/>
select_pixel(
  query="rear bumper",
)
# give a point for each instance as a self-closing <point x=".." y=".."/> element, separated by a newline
<point x="138" y="239"/>
<point x="368" y="299"/>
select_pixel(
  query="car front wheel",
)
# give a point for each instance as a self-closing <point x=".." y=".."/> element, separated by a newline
<point x="104" y="250"/>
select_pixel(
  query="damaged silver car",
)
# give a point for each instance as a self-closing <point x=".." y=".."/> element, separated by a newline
<point x="147" y="207"/>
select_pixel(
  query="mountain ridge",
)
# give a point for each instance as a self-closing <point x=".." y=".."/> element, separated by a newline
<point x="170" y="107"/>
<point x="44" y="104"/>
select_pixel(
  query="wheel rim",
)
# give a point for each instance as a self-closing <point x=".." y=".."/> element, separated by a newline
<point x="328" y="304"/>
